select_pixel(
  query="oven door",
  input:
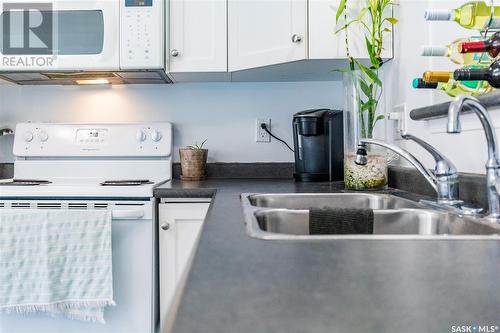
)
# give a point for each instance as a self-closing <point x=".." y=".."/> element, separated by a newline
<point x="133" y="272"/>
<point x="63" y="35"/>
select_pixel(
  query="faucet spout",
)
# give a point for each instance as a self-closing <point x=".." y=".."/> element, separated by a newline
<point x="493" y="163"/>
<point x="431" y="179"/>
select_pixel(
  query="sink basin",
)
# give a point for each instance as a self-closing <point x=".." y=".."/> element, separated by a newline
<point x="386" y="222"/>
<point x="286" y="217"/>
<point x="331" y="200"/>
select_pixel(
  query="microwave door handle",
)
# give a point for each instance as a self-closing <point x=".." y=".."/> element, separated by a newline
<point x="127" y="214"/>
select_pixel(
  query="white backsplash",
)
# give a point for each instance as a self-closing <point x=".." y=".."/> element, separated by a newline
<point x="225" y="113"/>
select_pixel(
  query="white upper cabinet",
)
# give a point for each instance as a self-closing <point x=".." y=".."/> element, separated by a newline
<point x="266" y="32"/>
<point x="324" y="43"/>
<point x="198" y="36"/>
<point x="221" y="40"/>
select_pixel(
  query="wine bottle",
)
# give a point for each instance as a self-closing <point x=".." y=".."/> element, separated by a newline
<point x="454" y="88"/>
<point x="452" y="51"/>
<point x="491" y="46"/>
<point x="472" y="15"/>
<point x="490" y="74"/>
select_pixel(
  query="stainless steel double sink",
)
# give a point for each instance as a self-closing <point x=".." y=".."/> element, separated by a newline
<point x="286" y="217"/>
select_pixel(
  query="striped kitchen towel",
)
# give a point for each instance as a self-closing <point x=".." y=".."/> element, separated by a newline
<point x="57" y="262"/>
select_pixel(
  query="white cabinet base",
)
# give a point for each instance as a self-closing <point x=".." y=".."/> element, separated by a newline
<point x="180" y="226"/>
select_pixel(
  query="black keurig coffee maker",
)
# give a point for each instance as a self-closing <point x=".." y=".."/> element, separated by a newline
<point x="318" y="136"/>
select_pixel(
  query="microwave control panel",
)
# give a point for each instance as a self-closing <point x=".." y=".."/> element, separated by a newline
<point x="142" y="32"/>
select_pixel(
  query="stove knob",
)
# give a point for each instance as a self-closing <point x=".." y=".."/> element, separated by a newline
<point x="43" y="136"/>
<point x="28" y="136"/>
<point x="156" y="136"/>
<point x="140" y="136"/>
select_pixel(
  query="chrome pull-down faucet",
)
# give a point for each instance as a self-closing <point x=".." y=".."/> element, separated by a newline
<point x="493" y="163"/>
<point x="444" y="180"/>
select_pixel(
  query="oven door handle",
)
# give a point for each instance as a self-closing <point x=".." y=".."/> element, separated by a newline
<point x="127" y="214"/>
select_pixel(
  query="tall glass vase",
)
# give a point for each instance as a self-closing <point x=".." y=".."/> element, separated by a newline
<point x="363" y="119"/>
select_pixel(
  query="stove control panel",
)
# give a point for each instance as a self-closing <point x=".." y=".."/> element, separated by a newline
<point x="93" y="140"/>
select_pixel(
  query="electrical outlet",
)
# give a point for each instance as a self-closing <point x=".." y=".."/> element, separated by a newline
<point x="398" y="115"/>
<point x="260" y="134"/>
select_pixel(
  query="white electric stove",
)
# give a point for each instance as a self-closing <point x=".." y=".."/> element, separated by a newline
<point x="97" y="166"/>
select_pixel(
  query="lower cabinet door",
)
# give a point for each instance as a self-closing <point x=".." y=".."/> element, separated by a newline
<point x="179" y="230"/>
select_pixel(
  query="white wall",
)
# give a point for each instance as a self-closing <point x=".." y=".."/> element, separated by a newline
<point x="225" y="113"/>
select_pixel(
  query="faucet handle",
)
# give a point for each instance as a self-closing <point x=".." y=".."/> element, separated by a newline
<point x="443" y="167"/>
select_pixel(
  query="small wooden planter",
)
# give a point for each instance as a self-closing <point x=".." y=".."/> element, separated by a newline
<point x="193" y="163"/>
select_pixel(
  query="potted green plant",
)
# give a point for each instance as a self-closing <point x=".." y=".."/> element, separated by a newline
<point x="363" y="89"/>
<point x="193" y="161"/>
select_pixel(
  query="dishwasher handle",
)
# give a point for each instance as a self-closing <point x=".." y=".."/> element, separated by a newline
<point x="127" y="214"/>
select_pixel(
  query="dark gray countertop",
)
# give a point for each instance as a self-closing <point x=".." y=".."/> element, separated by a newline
<point x="238" y="284"/>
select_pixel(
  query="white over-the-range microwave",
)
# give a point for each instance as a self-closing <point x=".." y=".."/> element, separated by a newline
<point x="82" y="41"/>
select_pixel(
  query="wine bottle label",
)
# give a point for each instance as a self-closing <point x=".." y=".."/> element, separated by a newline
<point x="434" y="51"/>
<point x="438" y="15"/>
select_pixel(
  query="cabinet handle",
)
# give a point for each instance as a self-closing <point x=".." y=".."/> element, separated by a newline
<point x="165" y="226"/>
<point x="174" y="53"/>
<point x="296" y="38"/>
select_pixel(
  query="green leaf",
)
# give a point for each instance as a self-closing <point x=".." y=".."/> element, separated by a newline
<point x="365" y="88"/>
<point x="362" y="13"/>
<point x="369" y="73"/>
<point x="371" y="52"/>
<point x="387" y="30"/>
<point x="380" y="117"/>
<point x="345" y="26"/>
<point x="367" y="105"/>
<point x="340" y="10"/>
<point x="393" y="20"/>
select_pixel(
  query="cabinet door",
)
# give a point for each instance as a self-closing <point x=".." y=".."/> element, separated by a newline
<point x="198" y="36"/>
<point x="266" y="32"/>
<point x="324" y="43"/>
<point x="179" y="229"/>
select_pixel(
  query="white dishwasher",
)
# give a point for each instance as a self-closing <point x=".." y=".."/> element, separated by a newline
<point x="180" y="225"/>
